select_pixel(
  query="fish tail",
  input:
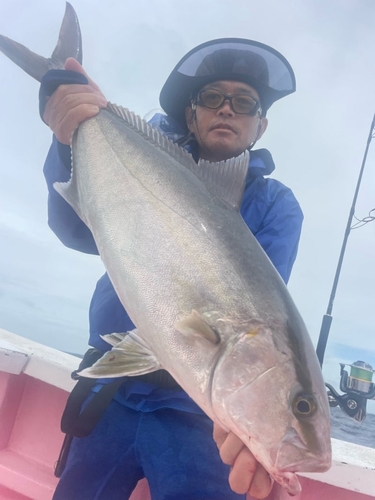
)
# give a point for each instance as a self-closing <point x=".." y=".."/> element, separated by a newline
<point x="69" y="44"/>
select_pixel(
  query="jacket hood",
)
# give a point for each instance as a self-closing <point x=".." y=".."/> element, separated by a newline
<point x="261" y="163"/>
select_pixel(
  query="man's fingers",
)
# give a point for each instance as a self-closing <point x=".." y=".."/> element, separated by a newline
<point x="230" y="448"/>
<point x="248" y="476"/>
<point x="70" y="105"/>
<point x="70" y="121"/>
<point x="219" y="435"/>
<point x="70" y="90"/>
<point x="67" y="97"/>
<point x="261" y="484"/>
<point x="243" y="471"/>
<point x="63" y="102"/>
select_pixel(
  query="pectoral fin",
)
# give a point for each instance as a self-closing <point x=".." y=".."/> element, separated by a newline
<point x="130" y="357"/>
<point x="195" y="324"/>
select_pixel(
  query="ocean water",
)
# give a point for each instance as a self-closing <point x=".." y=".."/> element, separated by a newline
<point x="348" y="429"/>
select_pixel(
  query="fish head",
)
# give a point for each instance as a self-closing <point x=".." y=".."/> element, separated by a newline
<point x="271" y="394"/>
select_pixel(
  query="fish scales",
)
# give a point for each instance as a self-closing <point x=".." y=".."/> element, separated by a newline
<point x="157" y="227"/>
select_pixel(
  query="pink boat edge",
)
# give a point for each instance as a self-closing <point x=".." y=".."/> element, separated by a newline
<point x="34" y="385"/>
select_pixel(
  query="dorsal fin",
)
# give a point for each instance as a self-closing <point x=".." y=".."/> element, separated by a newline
<point x="153" y="134"/>
<point x="225" y="179"/>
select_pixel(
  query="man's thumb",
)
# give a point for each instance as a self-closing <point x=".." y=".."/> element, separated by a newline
<point x="73" y="65"/>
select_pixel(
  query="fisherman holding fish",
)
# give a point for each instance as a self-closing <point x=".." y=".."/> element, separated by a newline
<point x="216" y="100"/>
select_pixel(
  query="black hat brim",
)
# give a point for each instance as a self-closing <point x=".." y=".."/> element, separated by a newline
<point x="177" y="91"/>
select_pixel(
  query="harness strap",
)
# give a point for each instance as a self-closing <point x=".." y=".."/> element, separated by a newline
<point x="61" y="461"/>
<point x="80" y="424"/>
<point x="75" y="423"/>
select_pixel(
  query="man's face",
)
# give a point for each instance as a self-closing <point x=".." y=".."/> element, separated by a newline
<point x="221" y="133"/>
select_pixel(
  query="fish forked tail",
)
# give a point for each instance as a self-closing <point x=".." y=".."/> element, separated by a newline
<point x="69" y="44"/>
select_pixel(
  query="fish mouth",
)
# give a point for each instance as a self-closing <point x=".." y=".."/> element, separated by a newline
<point x="315" y="464"/>
<point x="290" y="482"/>
<point x="305" y="461"/>
<point x="292" y="455"/>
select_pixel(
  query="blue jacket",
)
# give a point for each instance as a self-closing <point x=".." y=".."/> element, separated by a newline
<point x="269" y="209"/>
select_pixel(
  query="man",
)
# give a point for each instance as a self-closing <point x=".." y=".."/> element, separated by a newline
<point x="216" y="101"/>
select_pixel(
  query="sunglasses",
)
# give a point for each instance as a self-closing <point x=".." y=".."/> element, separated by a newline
<point x="242" y="104"/>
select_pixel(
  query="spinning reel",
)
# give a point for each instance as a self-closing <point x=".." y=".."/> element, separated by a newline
<point x="357" y="388"/>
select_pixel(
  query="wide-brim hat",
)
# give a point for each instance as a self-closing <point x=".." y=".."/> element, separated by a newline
<point x="254" y="63"/>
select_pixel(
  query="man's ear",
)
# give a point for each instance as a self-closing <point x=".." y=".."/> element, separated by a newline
<point x="262" y="127"/>
<point x="189" y="117"/>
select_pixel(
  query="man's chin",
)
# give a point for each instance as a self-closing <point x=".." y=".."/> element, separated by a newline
<point x="225" y="154"/>
<point x="219" y="150"/>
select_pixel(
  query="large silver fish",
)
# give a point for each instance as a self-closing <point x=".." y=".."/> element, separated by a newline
<point x="208" y="304"/>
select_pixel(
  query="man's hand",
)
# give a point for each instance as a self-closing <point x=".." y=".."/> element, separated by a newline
<point x="246" y="475"/>
<point x="70" y="105"/>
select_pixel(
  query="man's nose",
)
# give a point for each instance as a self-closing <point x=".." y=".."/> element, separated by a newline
<point x="226" y="108"/>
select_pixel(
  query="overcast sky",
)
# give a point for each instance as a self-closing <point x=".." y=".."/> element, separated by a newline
<point x="317" y="137"/>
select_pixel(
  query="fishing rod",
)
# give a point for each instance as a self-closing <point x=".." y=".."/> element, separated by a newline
<point x="357" y="386"/>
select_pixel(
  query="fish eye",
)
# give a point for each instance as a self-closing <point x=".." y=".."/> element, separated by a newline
<point x="304" y="405"/>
